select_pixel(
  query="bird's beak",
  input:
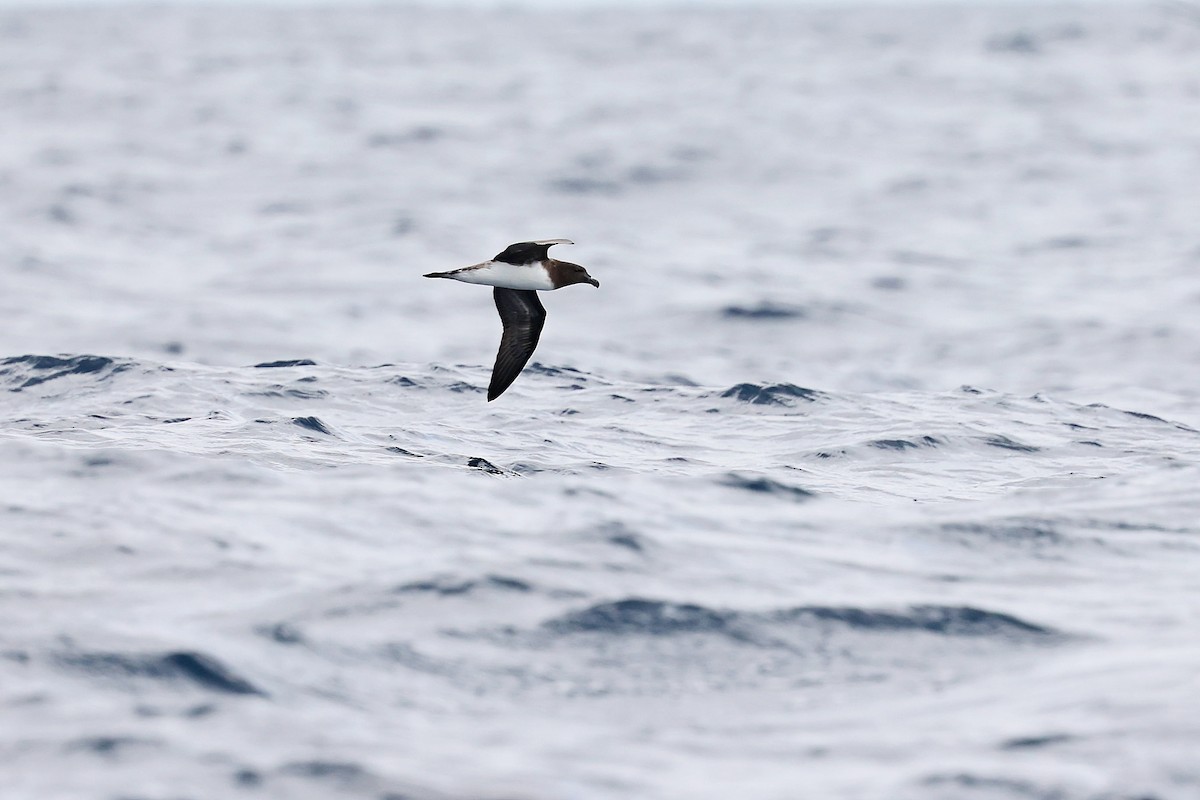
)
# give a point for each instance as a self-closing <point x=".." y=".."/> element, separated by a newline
<point x="593" y="282"/>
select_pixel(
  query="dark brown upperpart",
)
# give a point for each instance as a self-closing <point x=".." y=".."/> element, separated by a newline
<point x="564" y="273"/>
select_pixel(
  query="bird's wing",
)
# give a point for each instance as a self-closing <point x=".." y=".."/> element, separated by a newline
<point x="523" y="317"/>
<point x="527" y="252"/>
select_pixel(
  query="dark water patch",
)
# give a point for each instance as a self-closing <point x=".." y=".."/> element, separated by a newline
<point x="507" y="584"/>
<point x="407" y="383"/>
<point x="1151" y="418"/>
<point x="402" y="451"/>
<point x="409" y="657"/>
<point x="673" y="379"/>
<point x="764" y="311"/>
<point x="485" y="465"/>
<point x="283" y="207"/>
<point x="640" y="616"/>
<point x="916" y="258"/>
<point x="889" y="283"/>
<point x="462" y="386"/>
<point x="1144" y="416"/>
<point x="539" y="368"/>
<point x="584" y="185"/>
<point x="1005" y="443"/>
<point x="905" y="444"/>
<point x="208" y="672"/>
<point x="1036" y="742"/>
<point x="958" y="621"/>
<point x="290" y="393"/>
<point x="312" y="424"/>
<point x="416" y="135"/>
<point x="1009" y="531"/>
<point x="1066" y="243"/>
<point x="200" y="711"/>
<point x="647" y="174"/>
<point x="778" y="394"/>
<point x="62" y="214"/>
<point x="297" y="362"/>
<point x="628" y="541"/>
<point x="966" y="784"/>
<point x="449" y="588"/>
<point x="247" y="778"/>
<point x="175" y="420"/>
<point x="526" y="468"/>
<point x="763" y="485"/>
<point x="440" y="587"/>
<point x="281" y="632"/>
<point x="186" y="666"/>
<point x="1054" y="243"/>
<point x="54" y="367"/>
<point x="969" y="389"/>
<point x="1135" y="527"/>
<point x="1019" y="42"/>
<point x="1090" y="443"/>
<point x="619" y="534"/>
<point x="109" y="746"/>
<point x="340" y="772"/>
<point x="894" y="444"/>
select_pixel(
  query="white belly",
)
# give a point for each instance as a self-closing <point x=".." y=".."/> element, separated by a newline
<point x="506" y="276"/>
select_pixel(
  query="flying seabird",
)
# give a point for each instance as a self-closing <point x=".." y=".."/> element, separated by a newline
<point x="519" y="273"/>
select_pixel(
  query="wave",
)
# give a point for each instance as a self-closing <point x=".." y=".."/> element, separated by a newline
<point x="639" y="616"/>
<point x="181" y="666"/>
<point x="23" y="372"/>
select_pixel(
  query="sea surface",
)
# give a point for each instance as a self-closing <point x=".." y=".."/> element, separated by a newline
<point x="871" y="471"/>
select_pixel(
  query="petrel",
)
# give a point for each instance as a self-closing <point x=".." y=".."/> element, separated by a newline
<point x="519" y="273"/>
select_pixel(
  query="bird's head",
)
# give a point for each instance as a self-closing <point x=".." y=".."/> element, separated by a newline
<point x="564" y="273"/>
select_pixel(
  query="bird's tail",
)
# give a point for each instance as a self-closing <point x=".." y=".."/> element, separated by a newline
<point x="437" y="275"/>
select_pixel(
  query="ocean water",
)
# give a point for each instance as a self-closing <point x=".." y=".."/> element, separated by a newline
<point x="870" y="471"/>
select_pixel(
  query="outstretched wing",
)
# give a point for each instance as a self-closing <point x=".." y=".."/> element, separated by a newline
<point x="528" y="252"/>
<point x="523" y="317"/>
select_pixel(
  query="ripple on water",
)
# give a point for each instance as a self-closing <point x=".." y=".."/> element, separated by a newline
<point x="777" y="394"/>
<point x="182" y="667"/>
<point x="298" y="362"/>
<point x="660" y="618"/>
<point x="33" y="370"/>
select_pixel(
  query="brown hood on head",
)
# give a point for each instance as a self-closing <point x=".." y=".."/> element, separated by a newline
<point x="564" y="273"/>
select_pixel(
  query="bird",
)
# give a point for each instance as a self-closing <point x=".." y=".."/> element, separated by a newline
<point x="517" y="274"/>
